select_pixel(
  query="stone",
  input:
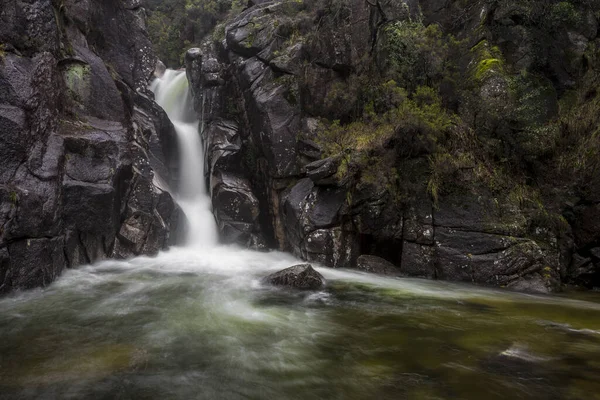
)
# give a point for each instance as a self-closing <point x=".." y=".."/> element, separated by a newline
<point x="319" y="171"/>
<point x="298" y="277"/>
<point x="376" y="265"/>
<point x="418" y="260"/>
<point x="83" y="147"/>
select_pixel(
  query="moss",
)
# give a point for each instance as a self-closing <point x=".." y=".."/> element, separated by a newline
<point x="14" y="198"/>
<point x="219" y="33"/>
<point x="77" y="78"/>
<point x="564" y="13"/>
<point x="487" y="67"/>
<point x="488" y="61"/>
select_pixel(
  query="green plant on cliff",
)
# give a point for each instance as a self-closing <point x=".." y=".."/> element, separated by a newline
<point x="176" y="25"/>
<point x="413" y="127"/>
<point x="14" y="198"/>
<point x="413" y="53"/>
<point x="487" y="61"/>
<point x="563" y="13"/>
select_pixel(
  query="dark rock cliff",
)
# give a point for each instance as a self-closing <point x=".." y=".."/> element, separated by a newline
<point x="454" y="183"/>
<point x="85" y="153"/>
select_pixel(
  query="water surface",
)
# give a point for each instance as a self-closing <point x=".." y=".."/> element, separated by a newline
<point x="198" y="324"/>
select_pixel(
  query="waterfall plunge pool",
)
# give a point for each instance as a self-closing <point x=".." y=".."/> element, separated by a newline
<point x="198" y="324"/>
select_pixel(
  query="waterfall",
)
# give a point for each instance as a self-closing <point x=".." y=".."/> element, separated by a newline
<point x="173" y="95"/>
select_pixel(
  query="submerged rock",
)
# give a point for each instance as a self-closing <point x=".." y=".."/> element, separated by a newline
<point x="301" y="276"/>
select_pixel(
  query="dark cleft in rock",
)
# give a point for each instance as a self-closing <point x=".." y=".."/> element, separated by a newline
<point x="301" y="276"/>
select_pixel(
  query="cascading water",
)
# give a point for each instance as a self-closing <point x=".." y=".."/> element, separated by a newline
<point x="195" y="322"/>
<point x="173" y="95"/>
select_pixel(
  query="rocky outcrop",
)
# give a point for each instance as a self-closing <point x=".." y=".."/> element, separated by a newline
<point x="266" y="78"/>
<point x="85" y="152"/>
<point x="298" y="277"/>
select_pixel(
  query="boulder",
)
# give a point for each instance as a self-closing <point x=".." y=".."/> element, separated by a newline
<point x="376" y="265"/>
<point x="322" y="172"/>
<point x="418" y="260"/>
<point x="298" y="277"/>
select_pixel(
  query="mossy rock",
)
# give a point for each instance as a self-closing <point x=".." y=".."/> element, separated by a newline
<point x="77" y="76"/>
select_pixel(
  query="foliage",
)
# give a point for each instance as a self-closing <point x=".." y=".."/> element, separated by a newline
<point x="176" y="25"/>
<point x="414" y="54"/>
<point x="413" y="127"/>
<point x="564" y="13"/>
<point x="488" y="61"/>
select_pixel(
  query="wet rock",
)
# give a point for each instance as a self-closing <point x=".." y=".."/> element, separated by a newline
<point x="30" y="263"/>
<point x="298" y="277"/>
<point x="80" y="140"/>
<point x="307" y="211"/>
<point x="376" y="265"/>
<point x="479" y="214"/>
<point x="532" y="283"/>
<point x="276" y="88"/>
<point x="494" y="259"/>
<point x="236" y="209"/>
<point x="160" y="69"/>
<point x="418" y="260"/>
<point x="582" y="271"/>
<point x="223" y="145"/>
<point x="322" y="172"/>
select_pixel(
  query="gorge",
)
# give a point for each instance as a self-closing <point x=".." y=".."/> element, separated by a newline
<point x="196" y="321"/>
<point x="437" y="162"/>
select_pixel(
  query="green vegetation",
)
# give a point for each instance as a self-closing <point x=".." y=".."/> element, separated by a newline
<point x="14" y="198"/>
<point x="488" y="61"/>
<point x="480" y="123"/>
<point x="176" y="25"/>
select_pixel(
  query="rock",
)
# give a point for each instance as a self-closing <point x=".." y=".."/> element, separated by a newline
<point x="532" y="283"/>
<point x="418" y="260"/>
<point x="160" y="69"/>
<point x="277" y="79"/>
<point x="298" y="277"/>
<point x="587" y="225"/>
<point x="322" y="171"/>
<point x="236" y="209"/>
<point x="584" y="272"/>
<point x="376" y="265"/>
<point x="85" y="155"/>
<point x="307" y="212"/>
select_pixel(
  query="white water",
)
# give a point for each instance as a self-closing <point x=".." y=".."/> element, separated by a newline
<point x="173" y="95"/>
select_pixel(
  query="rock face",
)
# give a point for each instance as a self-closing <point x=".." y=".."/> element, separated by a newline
<point x="263" y="81"/>
<point x="85" y="152"/>
<point x="298" y="277"/>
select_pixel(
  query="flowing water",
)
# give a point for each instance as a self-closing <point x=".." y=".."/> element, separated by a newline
<point x="196" y="323"/>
